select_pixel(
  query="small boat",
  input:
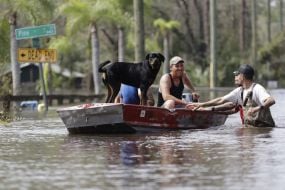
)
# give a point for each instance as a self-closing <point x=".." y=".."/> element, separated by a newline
<point x="127" y="118"/>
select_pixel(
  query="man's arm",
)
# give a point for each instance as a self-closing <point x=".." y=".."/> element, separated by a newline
<point x="264" y="98"/>
<point x="266" y="104"/>
<point x="214" y="102"/>
<point x="187" y="82"/>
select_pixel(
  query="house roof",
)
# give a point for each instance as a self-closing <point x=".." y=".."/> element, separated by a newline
<point x="54" y="67"/>
<point x="65" y="72"/>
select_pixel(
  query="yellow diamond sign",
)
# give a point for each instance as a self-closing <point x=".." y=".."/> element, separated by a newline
<point x="34" y="55"/>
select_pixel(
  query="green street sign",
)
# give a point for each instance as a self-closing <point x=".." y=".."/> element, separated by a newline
<point x="35" y="31"/>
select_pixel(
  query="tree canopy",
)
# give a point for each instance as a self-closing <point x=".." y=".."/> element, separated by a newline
<point x="184" y="22"/>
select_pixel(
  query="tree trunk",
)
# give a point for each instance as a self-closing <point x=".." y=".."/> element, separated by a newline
<point x="113" y="44"/>
<point x="95" y="58"/>
<point x="213" y="70"/>
<point x="281" y="15"/>
<point x="200" y="19"/>
<point x="166" y="53"/>
<point x="13" y="49"/>
<point x="50" y="79"/>
<point x="242" y="30"/>
<point x="121" y="44"/>
<point x="191" y="40"/>
<point x="269" y="20"/>
<point x="139" y="30"/>
<point x="206" y="22"/>
<point x="253" y="26"/>
<point x="268" y="28"/>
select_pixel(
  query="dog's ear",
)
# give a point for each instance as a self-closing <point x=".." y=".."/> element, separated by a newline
<point x="148" y="56"/>
<point x="161" y="57"/>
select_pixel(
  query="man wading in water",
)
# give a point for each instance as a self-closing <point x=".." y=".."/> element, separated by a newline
<point x="252" y="99"/>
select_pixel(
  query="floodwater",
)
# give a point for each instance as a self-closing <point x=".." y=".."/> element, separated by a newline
<point x="38" y="153"/>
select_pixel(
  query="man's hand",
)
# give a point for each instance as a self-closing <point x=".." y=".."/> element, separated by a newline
<point x="193" y="105"/>
<point x="253" y="110"/>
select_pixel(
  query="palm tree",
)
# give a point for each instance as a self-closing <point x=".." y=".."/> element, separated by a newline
<point x="123" y="24"/>
<point x="13" y="49"/>
<point x="139" y="30"/>
<point x="83" y="13"/>
<point x="165" y="27"/>
<point x="35" y="11"/>
<point x="121" y="44"/>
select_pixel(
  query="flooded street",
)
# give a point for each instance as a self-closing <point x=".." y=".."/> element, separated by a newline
<point x="38" y="153"/>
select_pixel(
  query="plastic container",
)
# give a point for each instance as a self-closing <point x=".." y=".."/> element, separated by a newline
<point x="29" y="105"/>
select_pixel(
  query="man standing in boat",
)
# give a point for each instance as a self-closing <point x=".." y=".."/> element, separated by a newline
<point x="171" y="86"/>
<point x="251" y="97"/>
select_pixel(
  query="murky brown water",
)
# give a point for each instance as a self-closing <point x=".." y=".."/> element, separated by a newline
<point x="38" y="153"/>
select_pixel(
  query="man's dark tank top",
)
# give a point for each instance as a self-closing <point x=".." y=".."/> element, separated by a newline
<point x="175" y="91"/>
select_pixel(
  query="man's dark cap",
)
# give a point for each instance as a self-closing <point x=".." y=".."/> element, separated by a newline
<point x="246" y="70"/>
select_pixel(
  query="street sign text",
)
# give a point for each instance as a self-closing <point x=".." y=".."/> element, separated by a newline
<point x="33" y="55"/>
<point x="35" y="31"/>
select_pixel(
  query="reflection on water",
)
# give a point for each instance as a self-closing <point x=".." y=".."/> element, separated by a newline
<point x="38" y="153"/>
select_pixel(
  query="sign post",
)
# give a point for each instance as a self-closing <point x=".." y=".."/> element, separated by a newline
<point x="36" y="44"/>
<point x="34" y="33"/>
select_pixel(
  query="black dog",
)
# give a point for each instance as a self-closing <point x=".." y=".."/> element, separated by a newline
<point x="140" y="75"/>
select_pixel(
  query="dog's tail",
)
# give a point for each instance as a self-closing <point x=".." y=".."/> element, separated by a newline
<point x="102" y="65"/>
